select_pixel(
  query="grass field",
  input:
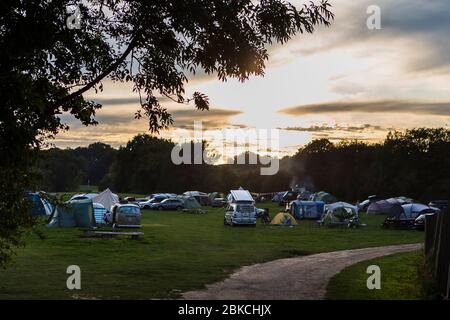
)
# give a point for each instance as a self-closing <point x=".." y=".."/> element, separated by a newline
<point x="399" y="279"/>
<point x="179" y="252"/>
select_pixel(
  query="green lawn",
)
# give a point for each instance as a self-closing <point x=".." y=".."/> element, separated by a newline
<point x="399" y="279"/>
<point x="179" y="252"/>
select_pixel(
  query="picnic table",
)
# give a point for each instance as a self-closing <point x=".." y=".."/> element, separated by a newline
<point x="102" y="233"/>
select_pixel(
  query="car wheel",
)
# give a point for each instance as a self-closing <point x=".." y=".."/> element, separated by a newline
<point x="225" y="222"/>
<point x="179" y="208"/>
<point x="160" y="208"/>
<point x="146" y="207"/>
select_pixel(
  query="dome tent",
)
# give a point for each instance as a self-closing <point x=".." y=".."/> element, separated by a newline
<point x="283" y="219"/>
<point x="406" y="219"/>
<point x="278" y="196"/>
<point x="189" y="202"/>
<point x="323" y="196"/>
<point x="39" y="206"/>
<point x="340" y="214"/>
<point x="389" y="207"/>
<point x="413" y="210"/>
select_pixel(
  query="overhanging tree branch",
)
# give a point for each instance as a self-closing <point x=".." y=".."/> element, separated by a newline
<point x="113" y="66"/>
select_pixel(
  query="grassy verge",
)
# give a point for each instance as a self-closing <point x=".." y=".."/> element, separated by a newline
<point x="179" y="252"/>
<point x="399" y="279"/>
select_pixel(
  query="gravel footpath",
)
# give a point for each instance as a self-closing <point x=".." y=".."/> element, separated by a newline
<point x="299" y="278"/>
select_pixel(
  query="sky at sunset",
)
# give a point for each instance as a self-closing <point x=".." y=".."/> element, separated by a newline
<point x="342" y="82"/>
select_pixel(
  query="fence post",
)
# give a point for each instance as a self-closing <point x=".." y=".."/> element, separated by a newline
<point x="430" y="231"/>
<point x="443" y="252"/>
<point x="448" y="284"/>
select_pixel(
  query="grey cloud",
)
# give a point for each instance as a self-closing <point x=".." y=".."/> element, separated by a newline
<point x="425" y="21"/>
<point x="438" y="109"/>
<point x="326" y="128"/>
<point x="212" y="119"/>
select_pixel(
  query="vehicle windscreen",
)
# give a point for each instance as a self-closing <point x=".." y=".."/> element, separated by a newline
<point x="129" y="210"/>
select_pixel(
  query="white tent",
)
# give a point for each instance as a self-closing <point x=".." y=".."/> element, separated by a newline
<point x="106" y="198"/>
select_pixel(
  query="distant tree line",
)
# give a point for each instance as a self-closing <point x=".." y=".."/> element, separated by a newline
<point x="413" y="163"/>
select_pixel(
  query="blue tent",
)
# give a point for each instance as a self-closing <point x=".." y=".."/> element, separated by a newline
<point x="413" y="210"/>
<point x="278" y="196"/>
<point x="39" y="206"/>
<point x="307" y="209"/>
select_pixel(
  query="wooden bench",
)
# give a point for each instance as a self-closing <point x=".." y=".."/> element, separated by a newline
<point x="93" y="233"/>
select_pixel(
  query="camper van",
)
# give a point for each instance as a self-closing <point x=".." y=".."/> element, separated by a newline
<point x="126" y="215"/>
<point x="241" y="209"/>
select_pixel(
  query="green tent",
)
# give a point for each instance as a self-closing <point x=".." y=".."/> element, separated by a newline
<point x="323" y="196"/>
<point x="78" y="213"/>
<point x="214" y="195"/>
<point x="190" y="202"/>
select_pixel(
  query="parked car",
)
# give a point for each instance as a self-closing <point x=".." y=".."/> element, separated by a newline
<point x="169" y="204"/>
<point x="126" y="215"/>
<point x="240" y="214"/>
<point x="147" y="203"/>
<point x="219" y="202"/>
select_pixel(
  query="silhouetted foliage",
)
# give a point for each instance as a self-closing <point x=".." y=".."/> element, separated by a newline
<point x="413" y="163"/>
<point x="47" y="67"/>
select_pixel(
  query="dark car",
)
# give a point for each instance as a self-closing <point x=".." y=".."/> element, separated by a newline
<point x="218" y="202"/>
<point x="169" y="204"/>
<point x="203" y="200"/>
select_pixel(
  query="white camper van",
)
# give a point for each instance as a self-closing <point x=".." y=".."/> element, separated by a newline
<point x="240" y="209"/>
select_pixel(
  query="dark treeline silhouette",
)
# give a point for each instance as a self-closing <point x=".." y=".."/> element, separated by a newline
<point x="413" y="163"/>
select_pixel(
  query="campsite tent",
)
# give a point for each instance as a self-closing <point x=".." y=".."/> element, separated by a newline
<point x="214" y="195"/>
<point x="304" y="195"/>
<point x="39" y="206"/>
<point x="339" y="213"/>
<point x="278" y="196"/>
<point x="390" y="207"/>
<point x="413" y="210"/>
<point x="201" y="197"/>
<point x="107" y="199"/>
<point x="406" y="218"/>
<point x="307" y="209"/>
<point x="189" y="202"/>
<point x="99" y="213"/>
<point x="77" y="213"/>
<point x="283" y="219"/>
<point x="323" y="196"/>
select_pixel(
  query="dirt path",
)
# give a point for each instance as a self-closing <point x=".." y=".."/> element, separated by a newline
<point x="300" y="278"/>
